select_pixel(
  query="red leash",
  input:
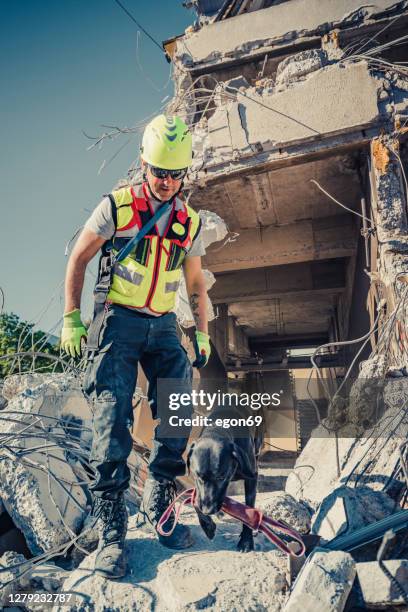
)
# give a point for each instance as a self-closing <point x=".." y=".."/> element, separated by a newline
<point x="251" y="517"/>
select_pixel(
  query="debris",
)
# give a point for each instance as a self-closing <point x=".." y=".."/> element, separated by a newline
<point x="23" y="577"/>
<point x="363" y="460"/>
<point x="47" y="431"/>
<point x="299" y="65"/>
<point x="213" y="230"/>
<point x="232" y="85"/>
<point x="9" y="583"/>
<point x="16" y="383"/>
<point x="373" y="589"/>
<point x="283" y="507"/>
<point x="215" y="580"/>
<point x="345" y="510"/>
<point x="323" y="584"/>
<point x="371" y="533"/>
<point x="219" y="577"/>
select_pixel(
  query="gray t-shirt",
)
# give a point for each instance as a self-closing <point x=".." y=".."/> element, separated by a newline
<point x="101" y="223"/>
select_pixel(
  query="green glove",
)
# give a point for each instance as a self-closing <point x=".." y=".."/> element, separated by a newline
<point x="72" y="332"/>
<point x="202" y="349"/>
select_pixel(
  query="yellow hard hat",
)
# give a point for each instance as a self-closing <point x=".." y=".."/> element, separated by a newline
<point x="167" y="143"/>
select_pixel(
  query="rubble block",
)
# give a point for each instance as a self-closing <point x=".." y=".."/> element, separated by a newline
<point x="8" y="560"/>
<point x="211" y="574"/>
<point x="40" y="491"/>
<point x="16" y="383"/>
<point x="346" y="510"/>
<point x="324" y="583"/>
<point x="222" y="580"/>
<point x="283" y="507"/>
<point x="373" y="589"/>
<point x="278" y="505"/>
<point x="41" y="578"/>
<point x="3" y="399"/>
<point x="315" y="473"/>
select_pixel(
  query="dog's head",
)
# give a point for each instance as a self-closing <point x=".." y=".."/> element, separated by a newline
<point x="213" y="463"/>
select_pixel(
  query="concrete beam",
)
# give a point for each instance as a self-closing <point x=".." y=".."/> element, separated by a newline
<point x="276" y="25"/>
<point x="271" y="342"/>
<point x="286" y="156"/>
<point x="290" y="363"/>
<point x="303" y="280"/>
<point x="311" y="240"/>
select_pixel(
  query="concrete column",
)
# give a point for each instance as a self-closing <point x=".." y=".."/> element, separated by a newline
<point x="389" y="209"/>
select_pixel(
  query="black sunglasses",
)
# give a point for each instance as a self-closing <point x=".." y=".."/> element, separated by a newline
<point x="162" y="173"/>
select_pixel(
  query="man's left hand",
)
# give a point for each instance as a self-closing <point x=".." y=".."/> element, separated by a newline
<point x="202" y="349"/>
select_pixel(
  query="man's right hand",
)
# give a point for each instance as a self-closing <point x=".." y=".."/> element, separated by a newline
<point x="73" y="331"/>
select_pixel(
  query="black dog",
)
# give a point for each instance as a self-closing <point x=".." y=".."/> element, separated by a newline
<point x="218" y="457"/>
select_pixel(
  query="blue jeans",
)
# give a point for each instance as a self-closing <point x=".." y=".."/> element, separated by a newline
<point x="126" y="339"/>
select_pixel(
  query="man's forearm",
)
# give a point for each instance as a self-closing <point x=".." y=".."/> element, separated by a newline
<point x="74" y="282"/>
<point x="198" y="303"/>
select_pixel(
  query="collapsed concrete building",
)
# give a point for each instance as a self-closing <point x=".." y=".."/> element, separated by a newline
<point x="299" y="113"/>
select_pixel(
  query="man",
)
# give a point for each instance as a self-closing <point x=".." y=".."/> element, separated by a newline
<point x="133" y="324"/>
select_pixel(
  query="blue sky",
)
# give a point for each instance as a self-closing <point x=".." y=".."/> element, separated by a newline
<point x="68" y="66"/>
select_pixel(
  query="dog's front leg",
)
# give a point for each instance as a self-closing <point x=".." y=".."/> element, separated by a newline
<point x="246" y="540"/>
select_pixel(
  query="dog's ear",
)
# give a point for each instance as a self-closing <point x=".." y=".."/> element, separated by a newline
<point x="246" y="466"/>
<point x="190" y="451"/>
<point x="207" y="524"/>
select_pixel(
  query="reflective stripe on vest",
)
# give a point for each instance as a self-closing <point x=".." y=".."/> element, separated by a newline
<point x="150" y="275"/>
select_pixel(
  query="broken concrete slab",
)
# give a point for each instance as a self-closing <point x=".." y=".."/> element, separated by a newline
<point x="39" y="474"/>
<point x="213" y="229"/>
<point x="323" y="584"/>
<point x="277" y="25"/>
<point x="373" y="589"/>
<point x="211" y="573"/>
<point x="222" y="580"/>
<point x="291" y="116"/>
<point x="262" y="120"/>
<point x="346" y="510"/>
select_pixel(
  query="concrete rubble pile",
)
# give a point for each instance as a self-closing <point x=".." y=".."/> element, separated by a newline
<point x="316" y="501"/>
<point x="46" y="428"/>
<point x="158" y="577"/>
<point x="349" y="482"/>
<point x="46" y="435"/>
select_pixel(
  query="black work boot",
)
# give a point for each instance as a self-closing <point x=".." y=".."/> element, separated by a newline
<point x="157" y="496"/>
<point x="112" y="526"/>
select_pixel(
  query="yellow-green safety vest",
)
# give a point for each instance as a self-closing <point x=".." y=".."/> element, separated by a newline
<point x="150" y="275"/>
